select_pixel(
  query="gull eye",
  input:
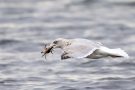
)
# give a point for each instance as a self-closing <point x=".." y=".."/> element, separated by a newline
<point x="55" y="42"/>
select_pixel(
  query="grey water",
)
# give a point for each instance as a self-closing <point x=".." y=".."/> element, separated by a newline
<point x="25" y="25"/>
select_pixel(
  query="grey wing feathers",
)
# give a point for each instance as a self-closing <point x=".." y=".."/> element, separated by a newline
<point x="80" y="48"/>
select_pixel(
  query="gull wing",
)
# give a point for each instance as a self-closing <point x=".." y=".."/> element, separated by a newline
<point x="81" y="48"/>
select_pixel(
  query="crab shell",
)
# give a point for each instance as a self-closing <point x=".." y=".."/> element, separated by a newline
<point x="47" y="51"/>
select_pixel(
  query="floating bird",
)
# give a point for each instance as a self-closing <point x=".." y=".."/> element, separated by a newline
<point x="83" y="48"/>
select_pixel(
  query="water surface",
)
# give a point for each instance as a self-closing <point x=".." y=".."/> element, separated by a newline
<point x="27" y="24"/>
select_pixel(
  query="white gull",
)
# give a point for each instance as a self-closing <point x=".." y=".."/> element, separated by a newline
<point x="84" y="48"/>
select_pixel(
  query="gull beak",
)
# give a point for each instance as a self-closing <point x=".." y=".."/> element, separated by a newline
<point x="52" y="45"/>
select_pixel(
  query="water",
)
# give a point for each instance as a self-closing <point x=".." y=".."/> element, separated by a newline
<point x="27" y="24"/>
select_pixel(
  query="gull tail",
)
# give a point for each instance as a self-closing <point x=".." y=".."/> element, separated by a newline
<point x="114" y="52"/>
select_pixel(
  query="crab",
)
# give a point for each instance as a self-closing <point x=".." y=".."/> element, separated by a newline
<point x="47" y="50"/>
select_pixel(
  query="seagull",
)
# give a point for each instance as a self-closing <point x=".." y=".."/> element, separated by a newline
<point x="83" y="48"/>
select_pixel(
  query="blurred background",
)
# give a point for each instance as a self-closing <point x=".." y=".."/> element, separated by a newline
<point x="25" y="25"/>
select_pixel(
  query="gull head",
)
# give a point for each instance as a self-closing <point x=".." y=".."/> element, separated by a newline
<point x="60" y="43"/>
